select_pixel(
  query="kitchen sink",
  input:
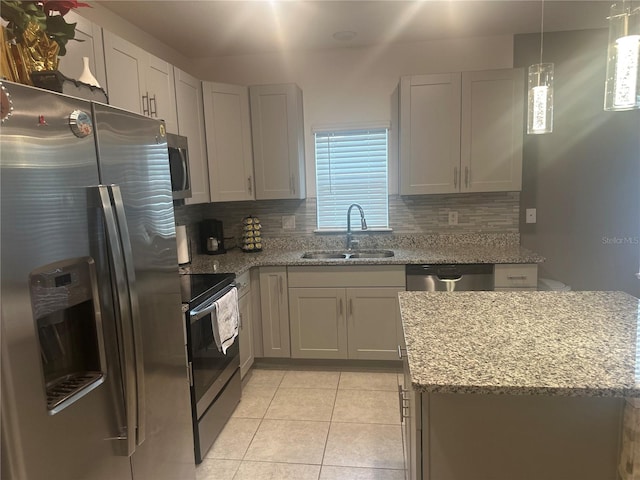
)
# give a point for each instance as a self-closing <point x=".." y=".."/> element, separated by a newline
<point x="372" y="254"/>
<point x="324" y="255"/>
<point x="344" y="255"/>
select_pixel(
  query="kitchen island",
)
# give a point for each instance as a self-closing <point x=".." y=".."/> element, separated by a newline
<point x="517" y="385"/>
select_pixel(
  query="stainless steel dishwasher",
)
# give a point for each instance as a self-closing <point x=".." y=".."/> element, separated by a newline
<point x="449" y="277"/>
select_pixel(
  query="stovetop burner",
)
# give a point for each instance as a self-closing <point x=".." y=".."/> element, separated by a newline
<point x="197" y="287"/>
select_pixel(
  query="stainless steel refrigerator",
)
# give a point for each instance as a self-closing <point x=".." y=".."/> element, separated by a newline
<point x="94" y="380"/>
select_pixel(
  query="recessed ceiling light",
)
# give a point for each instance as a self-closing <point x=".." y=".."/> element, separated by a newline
<point x="345" y="35"/>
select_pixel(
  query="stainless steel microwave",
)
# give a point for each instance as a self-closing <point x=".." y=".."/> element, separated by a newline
<point x="179" y="166"/>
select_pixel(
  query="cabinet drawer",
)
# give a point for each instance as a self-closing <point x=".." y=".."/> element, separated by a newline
<point x="347" y="276"/>
<point x="516" y="276"/>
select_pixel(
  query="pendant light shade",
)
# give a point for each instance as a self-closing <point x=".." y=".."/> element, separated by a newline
<point x="622" y="90"/>
<point x="540" y="96"/>
<point x="540" y="106"/>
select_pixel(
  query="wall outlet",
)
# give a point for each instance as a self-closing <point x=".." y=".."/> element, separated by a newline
<point x="289" y="222"/>
<point x="530" y="215"/>
<point x="453" y="218"/>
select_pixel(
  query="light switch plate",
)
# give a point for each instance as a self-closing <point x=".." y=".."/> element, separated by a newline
<point x="530" y="215"/>
<point x="288" y="222"/>
<point x="453" y="218"/>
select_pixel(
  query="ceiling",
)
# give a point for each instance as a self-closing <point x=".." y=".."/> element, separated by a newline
<point x="207" y="28"/>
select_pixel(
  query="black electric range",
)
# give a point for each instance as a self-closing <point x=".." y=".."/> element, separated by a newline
<point x="197" y="287"/>
<point x="214" y="375"/>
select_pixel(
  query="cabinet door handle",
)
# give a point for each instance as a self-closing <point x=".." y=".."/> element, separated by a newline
<point x="401" y="403"/>
<point x="402" y="352"/>
<point x="241" y="327"/>
<point x="153" y="112"/>
<point x="466" y="177"/>
<point x="516" y="277"/>
<point x="455" y="177"/>
<point x="249" y="184"/>
<point x="340" y="307"/>
<point x="351" y="307"/>
<point x="145" y="104"/>
<point x="280" y="284"/>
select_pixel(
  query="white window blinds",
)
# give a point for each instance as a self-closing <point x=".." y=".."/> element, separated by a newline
<point x="351" y="167"/>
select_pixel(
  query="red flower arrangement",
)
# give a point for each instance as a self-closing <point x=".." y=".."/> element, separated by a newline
<point x="48" y="15"/>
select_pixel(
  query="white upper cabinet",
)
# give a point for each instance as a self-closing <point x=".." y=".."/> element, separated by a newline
<point x="492" y="129"/>
<point x="190" y="109"/>
<point x="429" y="133"/>
<point x="90" y="46"/>
<point x="139" y="82"/>
<point x="162" y="92"/>
<point x="226" y="113"/>
<point x="461" y="132"/>
<point x="278" y="141"/>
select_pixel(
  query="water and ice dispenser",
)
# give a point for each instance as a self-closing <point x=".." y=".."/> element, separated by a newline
<point x="64" y="299"/>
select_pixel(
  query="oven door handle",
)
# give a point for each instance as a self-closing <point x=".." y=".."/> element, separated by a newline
<point x="210" y="305"/>
<point x="198" y="313"/>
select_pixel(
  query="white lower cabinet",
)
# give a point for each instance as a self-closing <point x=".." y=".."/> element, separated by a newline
<point x="515" y="277"/>
<point x="374" y="327"/>
<point x="318" y="322"/>
<point x="246" y="319"/>
<point x="345" y="312"/>
<point x="274" y="308"/>
<point x="411" y="418"/>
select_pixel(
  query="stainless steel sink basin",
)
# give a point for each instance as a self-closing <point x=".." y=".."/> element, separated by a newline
<point x="324" y="255"/>
<point x="348" y="255"/>
<point x="372" y="254"/>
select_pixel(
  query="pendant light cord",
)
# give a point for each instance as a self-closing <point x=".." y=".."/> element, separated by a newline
<point x="541" y="30"/>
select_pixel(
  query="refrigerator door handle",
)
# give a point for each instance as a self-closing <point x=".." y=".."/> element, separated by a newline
<point x="123" y="326"/>
<point x="121" y="220"/>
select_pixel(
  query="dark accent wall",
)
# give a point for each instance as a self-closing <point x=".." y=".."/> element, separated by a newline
<point x="584" y="178"/>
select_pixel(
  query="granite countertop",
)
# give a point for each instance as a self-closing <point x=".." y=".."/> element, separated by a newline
<point x="238" y="262"/>
<point x="528" y="343"/>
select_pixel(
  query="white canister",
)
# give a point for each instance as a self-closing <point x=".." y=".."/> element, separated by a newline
<point x="182" y="241"/>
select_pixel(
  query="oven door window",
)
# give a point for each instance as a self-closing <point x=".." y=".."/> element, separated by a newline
<point x="208" y="361"/>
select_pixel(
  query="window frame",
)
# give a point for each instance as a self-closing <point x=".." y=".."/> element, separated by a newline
<point x="382" y="207"/>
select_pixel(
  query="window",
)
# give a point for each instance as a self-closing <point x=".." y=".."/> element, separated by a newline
<point x="351" y="167"/>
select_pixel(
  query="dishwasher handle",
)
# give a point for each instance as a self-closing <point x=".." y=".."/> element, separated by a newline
<point x="450" y="271"/>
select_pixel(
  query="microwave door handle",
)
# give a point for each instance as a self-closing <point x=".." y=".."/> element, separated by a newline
<point x="123" y="327"/>
<point x="136" y="323"/>
<point x="185" y="170"/>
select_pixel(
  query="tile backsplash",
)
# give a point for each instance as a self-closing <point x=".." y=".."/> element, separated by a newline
<point x="424" y="214"/>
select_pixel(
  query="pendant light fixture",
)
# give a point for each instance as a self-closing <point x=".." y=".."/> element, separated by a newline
<point x="540" y="88"/>
<point x="622" y="89"/>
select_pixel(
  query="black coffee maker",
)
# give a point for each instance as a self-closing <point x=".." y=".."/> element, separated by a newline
<point x="212" y="237"/>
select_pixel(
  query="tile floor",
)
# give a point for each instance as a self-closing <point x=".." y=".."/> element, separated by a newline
<point x="316" y="425"/>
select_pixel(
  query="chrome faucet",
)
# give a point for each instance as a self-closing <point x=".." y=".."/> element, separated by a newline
<point x="363" y="223"/>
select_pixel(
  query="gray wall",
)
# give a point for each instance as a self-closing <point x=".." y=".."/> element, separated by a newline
<point x="584" y="178"/>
